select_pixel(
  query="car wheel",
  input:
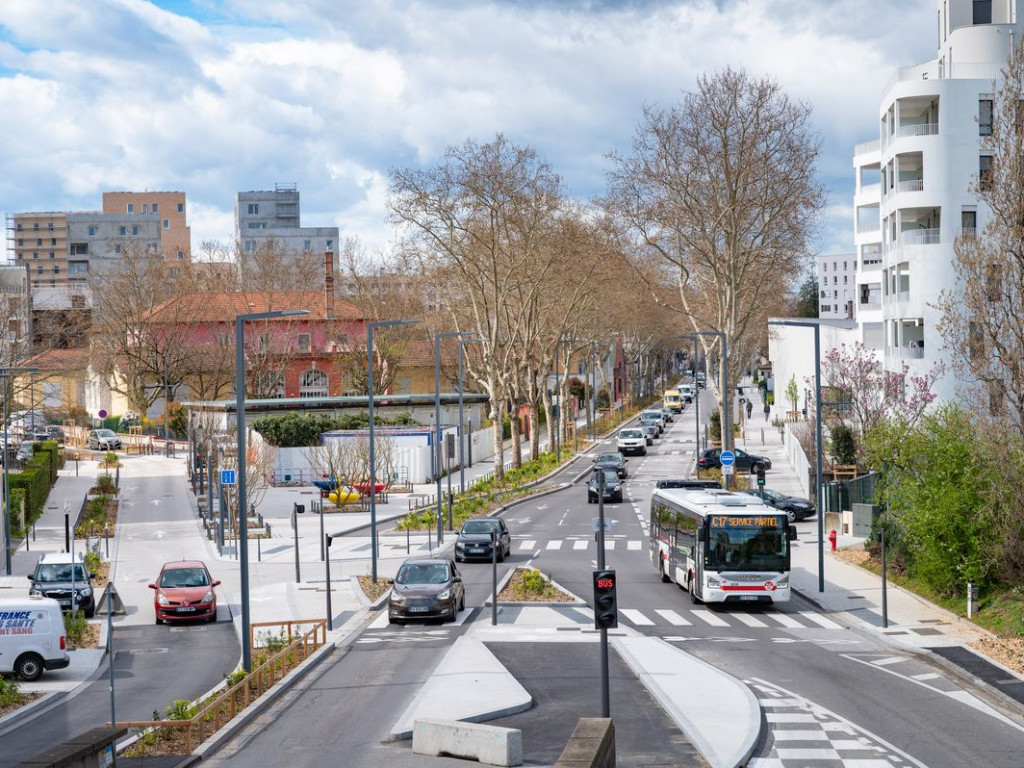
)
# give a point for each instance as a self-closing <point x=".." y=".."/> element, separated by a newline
<point x="590" y="499"/>
<point x="791" y="515"/>
<point x="617" y="498"/>
<point x="643" y="452"/>
<point x="392" y="620"/>
<point x="29" y="667"/>
<point x="213" y="616"/>
<point x="156" y="620"/>
<point x="90" y="613"/>
<point x="462" y="602"/>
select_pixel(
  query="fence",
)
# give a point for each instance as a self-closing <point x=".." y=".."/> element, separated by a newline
<point x="843" y="494"/>
<point x="209" y="716"/>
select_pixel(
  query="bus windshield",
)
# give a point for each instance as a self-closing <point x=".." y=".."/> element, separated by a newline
<point x="756" y="543"/>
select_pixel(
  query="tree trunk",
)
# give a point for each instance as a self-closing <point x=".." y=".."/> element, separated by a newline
<point x="517" y="436"/>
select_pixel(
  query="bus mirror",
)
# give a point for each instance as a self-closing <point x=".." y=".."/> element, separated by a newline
<point x="792" y="533"/>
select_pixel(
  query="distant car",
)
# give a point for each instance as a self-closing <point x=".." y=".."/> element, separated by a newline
<point x="612" y="486"/>
<point x="474" y="540"/>
<point x="612" y="461"/>
<point x="184" y="591"/>
<point x="632" y="440"/>
<point x="657" y="418"/>
<point x="64" y="578"/>
<point x="426" y="588"/>
<point x="796" y="508"/>
<point x="686" y="392"/>
<point x="686" y="484"/>
<point x="104" y="440"/>
<point x="702" y="380"/>
<point x="53" y="432"/>
<point x="745" y="462"/>
<point x="650" y="432"/>
<point x="667" y="412"/>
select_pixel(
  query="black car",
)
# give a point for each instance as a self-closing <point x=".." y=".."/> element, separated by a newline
<point x="426" y="588"/>
<point x="474" y="541"/>
<point x="64" y="578"/>
<point x="612" y="461"/>
<point x="612" y="486"/>
<point x="796" y="508"/>
<point x="745" y="462"/>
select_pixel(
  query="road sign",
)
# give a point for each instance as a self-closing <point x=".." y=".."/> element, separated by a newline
<point x="727" y="469"/>
<point x="728" y="458"/>
<point x="596" y="523"/>
<point x="227" y="477"/>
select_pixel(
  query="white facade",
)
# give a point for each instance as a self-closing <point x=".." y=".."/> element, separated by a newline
<point x="912" y="194"/>
<point x="276" y="214"/>
<point x="837" y="284"/>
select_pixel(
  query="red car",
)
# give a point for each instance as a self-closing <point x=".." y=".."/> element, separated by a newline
<point x="184" y="591"/>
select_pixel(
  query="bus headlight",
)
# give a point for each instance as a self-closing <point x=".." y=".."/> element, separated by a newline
<point x="713" y="582"/>
<point x="783" y="581"/>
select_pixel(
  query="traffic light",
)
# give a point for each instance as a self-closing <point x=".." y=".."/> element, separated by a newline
<point x="606" y="613"/>
<point x="760" y="475"/>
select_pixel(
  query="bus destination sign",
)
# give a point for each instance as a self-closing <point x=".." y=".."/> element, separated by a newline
<point x="733" y="521"/>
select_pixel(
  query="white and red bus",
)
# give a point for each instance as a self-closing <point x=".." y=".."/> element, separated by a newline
<point x="721" y="547"/>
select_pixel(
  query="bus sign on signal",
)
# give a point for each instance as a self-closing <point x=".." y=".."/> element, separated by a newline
<point x="606" y="612"/>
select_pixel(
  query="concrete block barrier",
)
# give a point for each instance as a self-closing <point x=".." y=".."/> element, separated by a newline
<point x="488" y="744"/>
<point x="592" y="745"/>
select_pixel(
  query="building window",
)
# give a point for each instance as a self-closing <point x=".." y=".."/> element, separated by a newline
<point x="130" y="208"/>
<point x="181" y="207"/>
<point x="307" y="245"/>
<point x="123" y="231"/>
<point x="313" y="384"/>
<point x="39" y="241"/>
<point x="79" y="249"/>
<point x="35" y="254"/>
<point x="35" y="226"/>
<point x="982" y="11"/>
<point x="846" y="280"/>
<point x="330" y="246"/>
<point x="824" y="266"/>
<point x="53" y="255"/>
<point x="167" y="223"/>
<point x="174" y="271"/>
<point x="156" y="209"/>
<point x="135" y="231"/>
<point x="39" y="270"/>
<point x="254" y="209"/>
<point x="56" y="270"/>
<point x="305" y="346"/>
<point x="181" y="255"/>
<point x="968" y="223"/>
<point x="53" y="241"/>
<point x="92" y="231"/>
<point x="985" y="172"/>
<point x="117" y="248"/>
<point x="250" y="246"/>
<point x="984" y="117"/>
<point x="21" y="241"/>
<point x="145" y="207"/>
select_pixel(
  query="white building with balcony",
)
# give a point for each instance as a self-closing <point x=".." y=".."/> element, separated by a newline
<point x="837" y="278"/>
<point x="912" y="196"/>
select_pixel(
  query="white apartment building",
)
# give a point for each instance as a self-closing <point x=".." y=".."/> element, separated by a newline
<point x="262" y="215"/>
<point x="912" y="194"/>
<point x="837" y="280"/>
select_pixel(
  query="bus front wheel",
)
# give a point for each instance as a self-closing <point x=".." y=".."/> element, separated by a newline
<point x="664" y="576"/>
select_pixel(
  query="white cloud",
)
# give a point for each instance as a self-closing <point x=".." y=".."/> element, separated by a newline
<point x="120" y="94"/>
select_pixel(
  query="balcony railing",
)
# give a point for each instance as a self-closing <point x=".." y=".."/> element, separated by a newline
<point x="917" y="129"/>
<point x="911" y="185"/>
<point x="912" y="353"/>
<point x="920" y="237"/>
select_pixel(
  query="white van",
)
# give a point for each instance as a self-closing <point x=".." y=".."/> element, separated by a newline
<point x="31" y="637"/>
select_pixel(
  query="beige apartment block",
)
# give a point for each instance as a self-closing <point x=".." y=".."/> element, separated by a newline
<point x="39" y="241"/>
<point x="172" y="210"/>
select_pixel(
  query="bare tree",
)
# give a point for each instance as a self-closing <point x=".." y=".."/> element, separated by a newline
<point x="721" y="187"/>
<point x="273" y="267"/>
<point x="338" y="459"/>
<point x="982" y="321"/>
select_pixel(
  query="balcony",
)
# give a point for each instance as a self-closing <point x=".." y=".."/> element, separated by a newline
<point x="916" y="129"/>
<point x="920" y="237"/>
<point x="911" y="185"/>
<point x="911" y="352"/>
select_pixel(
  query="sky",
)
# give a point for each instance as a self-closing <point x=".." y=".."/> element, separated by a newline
<point x="212" y="97"/>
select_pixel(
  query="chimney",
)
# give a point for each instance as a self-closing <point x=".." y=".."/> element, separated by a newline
<point x="329" y="284"/>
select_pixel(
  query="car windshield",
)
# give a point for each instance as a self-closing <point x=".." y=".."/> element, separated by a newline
<point x="173" y="578"/>
<point x="479" y="526"/>
<point x="631" y="433"/>
<point x="422" y="573"/>
<point x="48" y="573"/>
<point x="609" y="476"/>
<point x="104" y="433"/>
<point x="612" y="458"/>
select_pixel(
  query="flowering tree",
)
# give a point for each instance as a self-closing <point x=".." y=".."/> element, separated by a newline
<point x="872" y="396"/>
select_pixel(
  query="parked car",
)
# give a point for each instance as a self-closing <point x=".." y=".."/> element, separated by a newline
<point x="474" y="540"/>
<point x="745" y="462"/>
<point x="184" y="591"/>
<point x="426" y="588"/>
<point x="796" y="508"/>
<point x="54" y="432"/>
<point x="650" y="432"/>
<point x="64" y="578"/>
<point x="612" y="486"/>
<point x="104" y="440"/>
<point x="632" y="440"/>
<point x="612" y="461"/>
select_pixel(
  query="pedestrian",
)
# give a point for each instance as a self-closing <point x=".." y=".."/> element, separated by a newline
<point x="750" y="409"/>
<point x="767" y="410"/>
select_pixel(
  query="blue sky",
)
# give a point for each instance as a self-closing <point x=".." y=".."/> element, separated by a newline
<point x="215" y="96"/>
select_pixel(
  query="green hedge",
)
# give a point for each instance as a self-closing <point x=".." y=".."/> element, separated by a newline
<point x="33" y="483"/>
<point x="295" y="430"/>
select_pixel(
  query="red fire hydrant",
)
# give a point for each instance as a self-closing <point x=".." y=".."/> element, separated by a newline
<point x="832" y="539"/>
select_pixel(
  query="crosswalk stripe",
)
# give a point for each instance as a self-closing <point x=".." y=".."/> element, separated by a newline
<point x="888" y="660"/>
<point x="820" y="620"/>
<point x="707" y="616"/>
<point x="609" y="543"/>
<point x="750" y="621"/>
<point x="580" y="544"/>
<point x="527" y="544"/>
<point x="555" y="544"/>
<point x="636" y="617"/>
<point x="632" y="545"/>
<point x="673" y="618"/>
<point x="785" y="620"/>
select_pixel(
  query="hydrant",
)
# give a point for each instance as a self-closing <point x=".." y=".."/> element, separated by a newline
<point x="832" y="539"/>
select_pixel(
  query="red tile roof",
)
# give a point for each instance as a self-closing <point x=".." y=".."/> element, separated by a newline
<point x="224" y="307"/>
<point x="58" y="360"/>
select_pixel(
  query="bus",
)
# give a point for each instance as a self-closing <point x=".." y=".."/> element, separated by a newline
<point x="721" y="547"/>
<point x="673" y="400"/>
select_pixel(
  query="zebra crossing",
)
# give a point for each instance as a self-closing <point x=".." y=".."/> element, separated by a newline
<point x="578" y="544"/>
<point x="705" y="617"/>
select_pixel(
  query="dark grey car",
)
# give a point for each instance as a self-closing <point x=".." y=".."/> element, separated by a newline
<point x="474" y="541"/>
<point x="612" y="486"/>
<point x="612" y="461"/>
<point x="426" y="588"/>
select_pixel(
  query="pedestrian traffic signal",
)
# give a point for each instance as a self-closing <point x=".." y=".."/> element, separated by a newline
<point x="760" y="475"/>
<point x="606" y="613"/>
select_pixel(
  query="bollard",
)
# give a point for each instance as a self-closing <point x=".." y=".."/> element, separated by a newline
<point x="972" y="600"/>
<point x="259" y="549"/>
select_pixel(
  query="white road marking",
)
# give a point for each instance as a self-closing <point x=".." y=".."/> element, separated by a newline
<point x="555" y="544"/>
<point x="580" y="544"/>
<point x="807" y="754"/>
<point x="750" y="621"/>
<point x="634" y="545"/>
<point x="789" y="717"/>
<point x="673" y="618"/>
<point x="889" y="660"/>
<point x="381" y="621"/>
<point x="927" y="676"/>
<point x="636" y="617"/>
<point x="528" y="544"/>
<point x="785" y="620"/>
<point x="708" y="617"/>
<point x="820" y="620"/>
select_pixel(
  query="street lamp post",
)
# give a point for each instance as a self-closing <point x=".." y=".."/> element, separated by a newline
<point x="696" y="389"/>
<point x="557" y="410"/>
<point x="243" y="525"/>
<point x="373" y="457"/>
<point x="437" y="423"/>
<point x="5" y="375"/>
<point x="727" y="421"/>
<point x="462" y="463"/>
<point x="817" y="431"/>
